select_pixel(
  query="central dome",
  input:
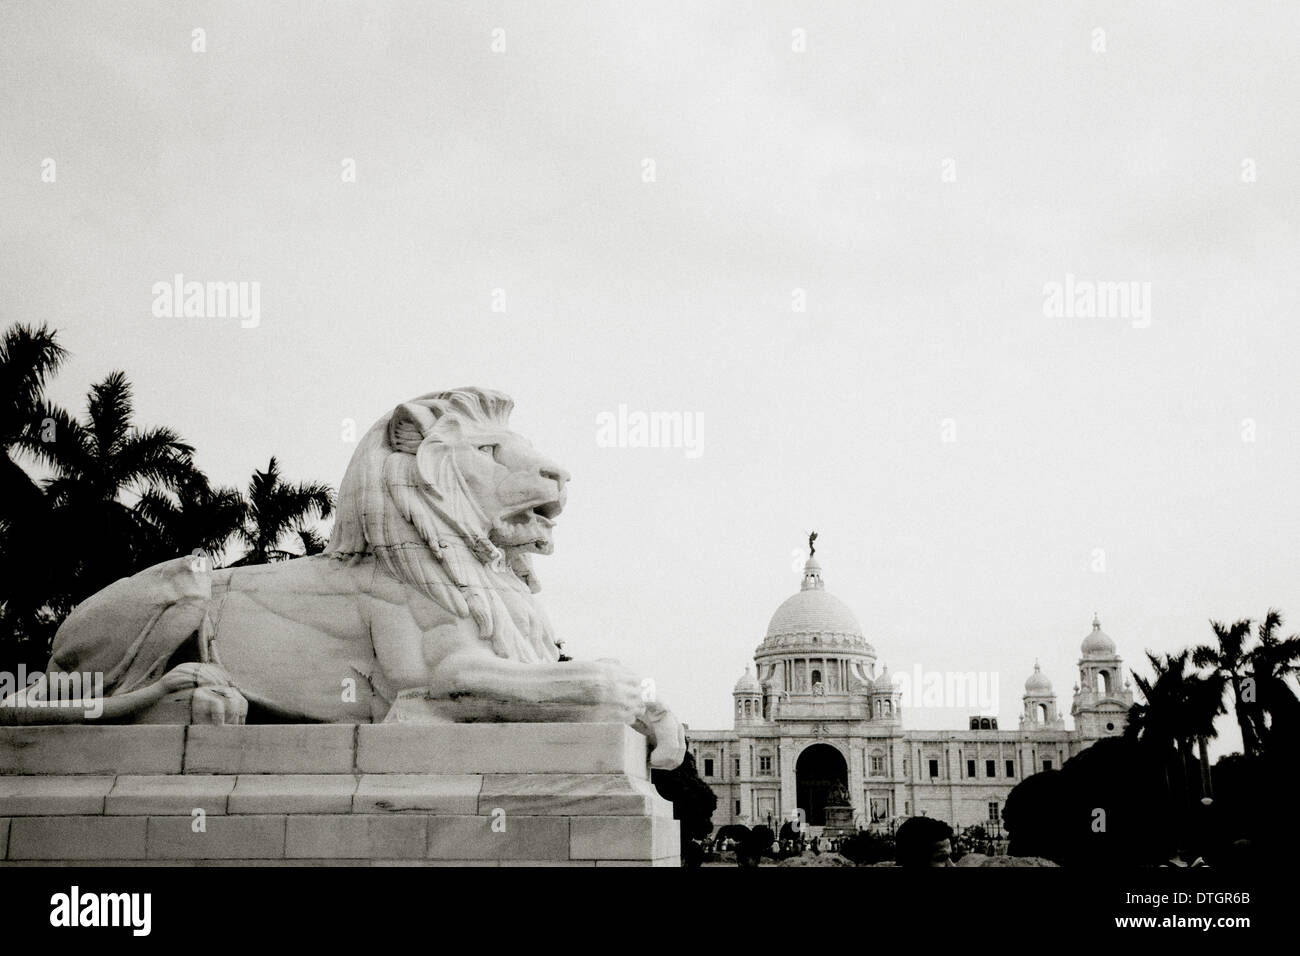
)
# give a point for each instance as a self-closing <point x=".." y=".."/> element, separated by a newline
<point x="812" y="620"/>
<point x="813" y="612"/>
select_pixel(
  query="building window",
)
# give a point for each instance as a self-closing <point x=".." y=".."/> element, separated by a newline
<point x="737" y="808"/>
<point x="749" y="708"/>
<point x="737" y="766"/>
<point x="993" y="811"/>
<point x="764" y="764"/>
<point x="934" y="768"/>
<point x="708" y="766"/>
<point x="1011" y="768"/>
<point x="990" y="768"/>
<point x="970" y="768"/>
<point x="877" y="765"/>
<point x="1047" y="765"/>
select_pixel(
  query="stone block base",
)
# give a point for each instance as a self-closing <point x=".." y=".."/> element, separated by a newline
<point x="332" y="794"/>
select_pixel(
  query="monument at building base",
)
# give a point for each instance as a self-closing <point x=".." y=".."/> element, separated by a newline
<point x="839" y="814"/>
<point x="336" y="794"/>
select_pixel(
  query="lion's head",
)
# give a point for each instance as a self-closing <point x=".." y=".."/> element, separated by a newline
<point x="452" y="502"/>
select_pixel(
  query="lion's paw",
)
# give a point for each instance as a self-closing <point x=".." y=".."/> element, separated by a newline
<point x="667" y="735"/>
<point x="218" y="705"/>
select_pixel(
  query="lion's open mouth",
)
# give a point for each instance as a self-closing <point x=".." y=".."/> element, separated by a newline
<point x="528" y="528"/>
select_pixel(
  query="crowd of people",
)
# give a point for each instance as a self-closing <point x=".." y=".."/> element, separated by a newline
<point x="918" y="842"/>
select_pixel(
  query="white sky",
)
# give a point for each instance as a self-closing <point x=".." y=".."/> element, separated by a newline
<point x="776" y="170"/>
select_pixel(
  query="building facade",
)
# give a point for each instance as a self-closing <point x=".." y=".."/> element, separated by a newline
<point x="813" y="714"/>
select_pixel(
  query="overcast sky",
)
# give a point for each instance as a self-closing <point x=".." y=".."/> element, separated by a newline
<point x="1164" y="150"/>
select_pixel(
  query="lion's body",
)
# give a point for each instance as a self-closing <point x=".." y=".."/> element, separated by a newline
<point x="315" y="638"/>
<point x="315" y="611"/>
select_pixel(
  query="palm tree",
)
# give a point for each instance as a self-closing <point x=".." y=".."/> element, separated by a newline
<point x="1177" y="709"/>
<point x="197" y="519"/>
<point x="1154" y="721"/>
<point x="1276" y="710"/>
<point x="313" y="542"/>
<point x="1228" y="660"/>
<point x="277" y="509"/>
<point x="97" y="463"/>
<point x="28" y="357"/>
<point x="1204" y="705"/>
<point x="29" y="553"/>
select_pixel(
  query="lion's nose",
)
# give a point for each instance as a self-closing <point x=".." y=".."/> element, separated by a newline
<point x="556" y="474"/>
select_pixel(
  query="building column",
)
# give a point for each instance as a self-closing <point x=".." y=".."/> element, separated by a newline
<point x="789" y="793"/>
<point x="857" y="782"/>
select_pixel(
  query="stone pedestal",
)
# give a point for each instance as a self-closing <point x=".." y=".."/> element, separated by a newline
<point x="839" y="822"/>
<point x="338" y="794"/>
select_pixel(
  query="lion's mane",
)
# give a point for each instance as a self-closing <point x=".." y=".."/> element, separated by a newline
<point x="404" y="500"/>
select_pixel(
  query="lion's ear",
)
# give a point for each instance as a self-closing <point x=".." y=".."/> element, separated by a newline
<point x="408" y="426"/>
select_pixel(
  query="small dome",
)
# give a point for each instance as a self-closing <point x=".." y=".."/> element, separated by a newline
<point x="1098" y="643"/>
<point x="884" y="684"/>
<point x="1038" y="682"/>
<point x="748" y="683"/>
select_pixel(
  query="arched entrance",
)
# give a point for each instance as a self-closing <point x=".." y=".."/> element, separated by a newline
<point x="818" y="771"/>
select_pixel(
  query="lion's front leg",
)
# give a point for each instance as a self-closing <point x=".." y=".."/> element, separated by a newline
<point x="474" y="685"/>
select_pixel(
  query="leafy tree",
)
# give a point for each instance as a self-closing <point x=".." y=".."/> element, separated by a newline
<point x="732" y="831"/>
<point x="1107" y="806"/>
<point x="693" y="803"/>
<point x="867" y="847"/>
<point x="1035" y="816"/>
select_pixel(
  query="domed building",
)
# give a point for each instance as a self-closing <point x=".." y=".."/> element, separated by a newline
<point x="817" y="716"/>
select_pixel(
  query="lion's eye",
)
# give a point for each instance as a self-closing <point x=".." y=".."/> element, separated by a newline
<point x="488" y="449"/>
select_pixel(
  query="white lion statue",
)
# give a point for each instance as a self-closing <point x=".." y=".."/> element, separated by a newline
<point x="421" y="609"/>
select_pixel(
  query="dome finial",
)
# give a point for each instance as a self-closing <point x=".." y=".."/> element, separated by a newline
<point x="1096" y="621"/>
<point x="812" y="571"/>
